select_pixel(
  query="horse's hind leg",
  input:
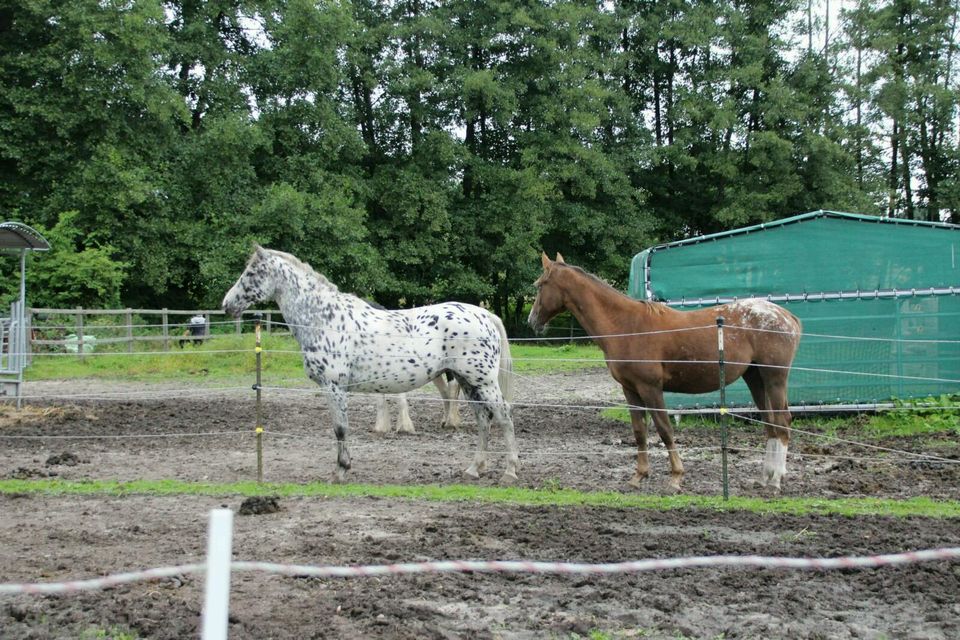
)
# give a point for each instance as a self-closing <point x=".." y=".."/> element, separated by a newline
<point x="404" y="423"/>
<point x="382" y="424"/>
<point x="479" y="463"/>
<point x="768" y="389"/>
<point x="501" y="415"/>
<point x="776" y="385"/>
<point x="489" y="407"/>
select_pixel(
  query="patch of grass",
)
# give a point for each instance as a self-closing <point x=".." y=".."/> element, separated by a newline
<point x="223" y="357"/>
<point x="927" y="417"/>
<point x="555" y="497"/>
<point x="623" y="415"/>
<point x="113" y="633"/>
<point x="232" y="356"/>
<point x="529" y="358"/>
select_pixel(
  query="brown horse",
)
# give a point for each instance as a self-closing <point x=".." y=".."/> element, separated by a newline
<point x="651" y="348"/>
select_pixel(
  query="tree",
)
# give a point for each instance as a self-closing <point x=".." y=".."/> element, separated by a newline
<point x="76" y="271"/>
<point x="917" y="94"/>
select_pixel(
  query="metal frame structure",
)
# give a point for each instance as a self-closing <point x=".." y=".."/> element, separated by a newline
<point x="14" y="330"/>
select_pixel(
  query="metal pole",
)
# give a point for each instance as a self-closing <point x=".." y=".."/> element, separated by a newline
<point x="258" y="317"/>
<point x="21" y="320"/>
<point x="723" y="410"/>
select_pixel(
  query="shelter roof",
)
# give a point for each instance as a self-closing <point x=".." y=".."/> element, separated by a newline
<point x="16" y="235"/>
<point x="803" y="217"/>
<point x="810" y="256"/>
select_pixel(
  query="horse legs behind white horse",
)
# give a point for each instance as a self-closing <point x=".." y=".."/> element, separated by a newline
<point x="449" y="390"/>
<point x="404" y="423"/>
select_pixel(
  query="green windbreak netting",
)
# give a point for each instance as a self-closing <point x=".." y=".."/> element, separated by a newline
<point x="813" y="255"/>
<point x="895" y="333"/>
<point x="866" y="351"/>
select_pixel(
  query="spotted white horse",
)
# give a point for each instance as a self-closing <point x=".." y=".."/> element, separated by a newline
<point x="347" y="345"/>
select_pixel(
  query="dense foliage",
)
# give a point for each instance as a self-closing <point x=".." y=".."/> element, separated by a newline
<point x="416" y="150"/>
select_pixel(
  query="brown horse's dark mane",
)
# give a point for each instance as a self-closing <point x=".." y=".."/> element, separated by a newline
<point x="652" y="305"/>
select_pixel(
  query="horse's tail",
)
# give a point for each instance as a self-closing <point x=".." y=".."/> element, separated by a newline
<point x="799" y="333"/>
<point x="505" y="375"/>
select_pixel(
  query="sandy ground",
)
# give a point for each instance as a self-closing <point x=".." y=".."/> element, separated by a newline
<point x="151" y="432"/>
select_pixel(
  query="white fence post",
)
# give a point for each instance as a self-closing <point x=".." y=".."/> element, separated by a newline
<point x="216" y="604"/>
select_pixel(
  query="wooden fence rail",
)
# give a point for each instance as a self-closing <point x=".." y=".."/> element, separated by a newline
<point x="170" y="329"/>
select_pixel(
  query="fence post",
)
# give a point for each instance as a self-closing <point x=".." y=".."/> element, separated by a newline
<point x="216" y="604"/>
<point x="166" y="330"/>
<point x="723" y="411"/>
<point x="258" y="318"/>
<point x="129" y="316"/>
<point x="79" y="332"/>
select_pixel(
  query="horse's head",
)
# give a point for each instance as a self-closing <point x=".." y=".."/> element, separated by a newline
<point x="255" y="284"/>
<point x="549" y="301"/>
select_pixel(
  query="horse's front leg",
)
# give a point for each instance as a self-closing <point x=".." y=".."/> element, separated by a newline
<point x="638" y="418"/>
<point x="338" y="409"/>
<point x="652" y="399"/>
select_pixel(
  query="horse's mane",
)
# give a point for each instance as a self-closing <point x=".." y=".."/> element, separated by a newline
<point x="300" y="265"/>
<point x="652" y="305"/>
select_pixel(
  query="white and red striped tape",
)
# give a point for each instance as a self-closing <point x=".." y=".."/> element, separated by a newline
<point x="499" y="566"/>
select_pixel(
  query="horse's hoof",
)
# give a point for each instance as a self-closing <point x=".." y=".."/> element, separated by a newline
<point x="340" y="476"/>
<point x="637" y="480"/>
<point x="509" y="478"/>
<point x="471" y="474"/>
<point x="673" y="486"/>
<point x="773" y="487"/>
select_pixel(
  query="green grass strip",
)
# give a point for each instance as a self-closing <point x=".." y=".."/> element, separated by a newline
<point x="556" y="497"/>
<point x="232" y="357"/>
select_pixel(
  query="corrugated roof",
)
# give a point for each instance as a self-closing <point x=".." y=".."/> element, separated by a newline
<point x="801" y="218"/>
<point x="16" y="235"/>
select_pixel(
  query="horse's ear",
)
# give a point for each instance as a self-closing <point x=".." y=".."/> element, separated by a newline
<point x="545" y="260"/>
<point x="560" y="258"/>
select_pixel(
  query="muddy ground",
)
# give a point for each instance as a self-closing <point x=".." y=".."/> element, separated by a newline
<point x="49" y="538"/>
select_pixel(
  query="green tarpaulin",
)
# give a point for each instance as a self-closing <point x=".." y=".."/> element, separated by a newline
<point x="879" y="299"/>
